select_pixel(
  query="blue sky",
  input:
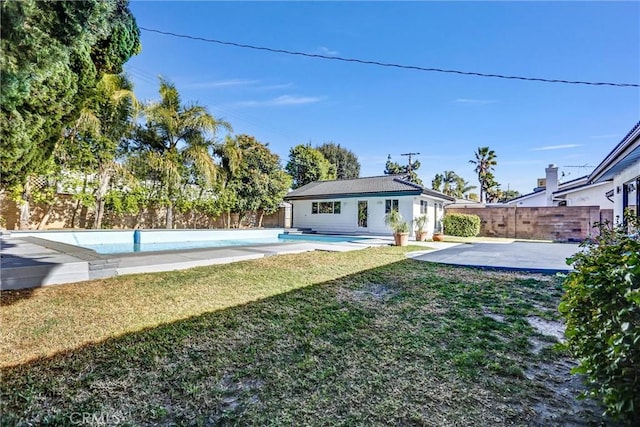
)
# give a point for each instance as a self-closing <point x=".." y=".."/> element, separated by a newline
<point x="375" y="111"/>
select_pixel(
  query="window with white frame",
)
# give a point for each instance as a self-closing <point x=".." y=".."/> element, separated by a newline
<point x="423" y="206"/>
<point x="390" y="205"/>
<point x="325" y="207"/>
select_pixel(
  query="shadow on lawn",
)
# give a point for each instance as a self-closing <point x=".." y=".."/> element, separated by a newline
<point x="12" y="282"/>
<point x="369" y="348"/>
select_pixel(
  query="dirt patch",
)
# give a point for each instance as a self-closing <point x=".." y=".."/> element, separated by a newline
<point x="238" y="394"/>
<point x="538" y="345"/>
<point x="547" y="327"/>
<point x="371" y="292"/>
<point x="495" y="316"/>
<point x="557" y="404"/>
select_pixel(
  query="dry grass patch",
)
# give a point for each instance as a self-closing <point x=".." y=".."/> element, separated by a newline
<point x="362" y="338"/>
<point x="45" y="321"/>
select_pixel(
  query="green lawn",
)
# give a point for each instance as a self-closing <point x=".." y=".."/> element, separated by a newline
<point x="357" y="338"/>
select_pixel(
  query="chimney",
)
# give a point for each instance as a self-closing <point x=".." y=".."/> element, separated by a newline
<point x="552" y="182"/>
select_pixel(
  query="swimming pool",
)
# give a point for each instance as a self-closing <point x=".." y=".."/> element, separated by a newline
<point x="117" y="248"/>
<point x="120" y="242"/>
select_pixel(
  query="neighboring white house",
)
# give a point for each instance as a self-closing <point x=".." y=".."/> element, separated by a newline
<point x="359" y="205"/>
<point x="621" y="169"/>
<point x="577" y="192"/>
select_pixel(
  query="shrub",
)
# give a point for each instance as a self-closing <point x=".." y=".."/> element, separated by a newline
<point x="601" y="306"/>
<point x="397" y="223"/>
<point x="461" y="225"/>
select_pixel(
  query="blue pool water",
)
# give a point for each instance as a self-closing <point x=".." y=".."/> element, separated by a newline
<point x="115" y="248"/>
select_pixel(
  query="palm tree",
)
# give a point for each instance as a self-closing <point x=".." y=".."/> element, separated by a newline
<point x="462" y="187"/>
<point x="485" y="160"/>
<point x="179" y="145"/>
<point x="449" y="178"/>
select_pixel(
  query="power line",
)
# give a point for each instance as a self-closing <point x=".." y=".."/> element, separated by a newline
<point x="386" y="64"/>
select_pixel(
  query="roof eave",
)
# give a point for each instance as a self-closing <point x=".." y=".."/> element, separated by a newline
<point x="628" y="144"/>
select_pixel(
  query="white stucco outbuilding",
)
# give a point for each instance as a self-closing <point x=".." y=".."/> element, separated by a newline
<point x="359" y="205"/>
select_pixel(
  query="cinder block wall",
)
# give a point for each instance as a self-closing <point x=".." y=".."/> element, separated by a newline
<point x="559" y="223"/>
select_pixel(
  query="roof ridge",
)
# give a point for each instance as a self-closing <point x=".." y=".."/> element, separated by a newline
<point x="400" y="177"/>
<point x="360" y="177"/>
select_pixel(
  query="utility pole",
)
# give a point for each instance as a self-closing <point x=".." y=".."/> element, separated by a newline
<point x="410" y="154"/>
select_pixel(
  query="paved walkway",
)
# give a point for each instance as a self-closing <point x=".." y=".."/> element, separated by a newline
<point x="518" y="255"/>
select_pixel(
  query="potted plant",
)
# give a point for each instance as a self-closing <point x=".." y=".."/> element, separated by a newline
<point x="399" y="226"/>
<point x="420" y="222"/>
<point x="438" y="233"/>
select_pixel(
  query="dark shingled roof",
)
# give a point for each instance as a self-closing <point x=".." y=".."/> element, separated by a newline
<point x="376" y="185"/>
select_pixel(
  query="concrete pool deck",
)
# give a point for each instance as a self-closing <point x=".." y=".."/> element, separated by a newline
<point x="536" y="257"/>
<point x="29" y="262"/>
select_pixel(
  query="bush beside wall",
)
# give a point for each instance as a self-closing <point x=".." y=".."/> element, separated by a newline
<point x="602" y="311"/>
<point x="462" y="225"/>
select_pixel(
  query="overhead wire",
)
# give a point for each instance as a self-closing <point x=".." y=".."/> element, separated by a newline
<point x="388" y="64"/>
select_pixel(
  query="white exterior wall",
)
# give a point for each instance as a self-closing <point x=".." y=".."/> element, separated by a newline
<point x="591" y="196"/>
<point x="347" y="220"/>
<point x="535" y="200"/>
<point x="433" y="214"/>
<point x="628" y="174"/>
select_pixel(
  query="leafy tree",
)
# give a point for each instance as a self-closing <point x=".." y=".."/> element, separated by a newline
<point x="492" y="190"/>
<point x="344" y="161"/>
<point x="436" y="182"/>
<point x="259" y="182"/>
<point x="231" y="156"/>
<point x="485" y="160"/>
<point x="505" y="196"/>
<point x="53" y="55"/>
<point x="176" y="146"/>
<point x="306" y="164"/>
<point x="409" y="171"/>
<point x="106" y="120"/>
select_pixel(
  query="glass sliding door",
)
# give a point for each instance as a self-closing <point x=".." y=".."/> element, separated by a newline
<point x="363" y="214"/>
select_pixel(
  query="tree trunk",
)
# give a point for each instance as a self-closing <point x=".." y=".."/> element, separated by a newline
<point x="45" y="218"/>
<point x="84" y="211"/>
<point x="260" y="217"/>
<point x="75" y="213"/>
<point x="104" y="178"/>
<point x="169" y="222"/>
<point x="97" y="222"/>
<point x="25" y="211"/>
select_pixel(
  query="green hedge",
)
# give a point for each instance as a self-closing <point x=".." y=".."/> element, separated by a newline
<point x="602" y="311"/>
<point x="462" y="225"/>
